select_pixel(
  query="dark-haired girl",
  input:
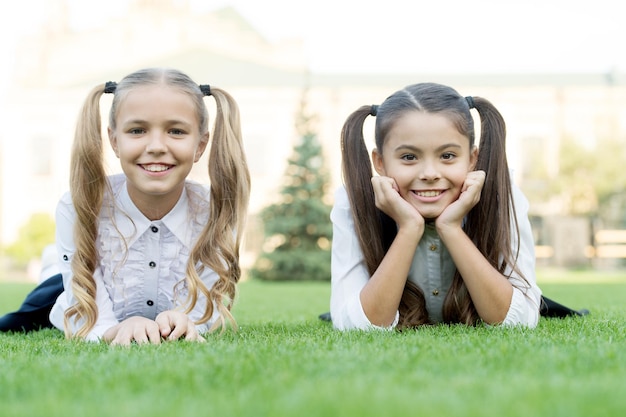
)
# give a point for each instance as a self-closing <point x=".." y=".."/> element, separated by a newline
<point x="441" y="234"/>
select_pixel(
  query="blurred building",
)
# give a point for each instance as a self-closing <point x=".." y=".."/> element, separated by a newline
<point x="57" y="67"/>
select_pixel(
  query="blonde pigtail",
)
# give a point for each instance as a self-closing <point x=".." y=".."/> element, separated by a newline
<point x="87" y="186"/>
<point x="219" y="243"/>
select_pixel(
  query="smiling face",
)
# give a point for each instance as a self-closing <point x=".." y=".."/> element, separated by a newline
<point x="429" y="160"/>
<point x="157" y="139"/>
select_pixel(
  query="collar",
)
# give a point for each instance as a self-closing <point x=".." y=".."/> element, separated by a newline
<point x="132" y="223"/>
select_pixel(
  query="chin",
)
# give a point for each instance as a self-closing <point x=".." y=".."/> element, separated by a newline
<point x="429" y="215"/>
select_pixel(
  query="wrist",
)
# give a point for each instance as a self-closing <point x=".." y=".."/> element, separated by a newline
<point x="449" y="231"/>
<point x="413" y="233"/>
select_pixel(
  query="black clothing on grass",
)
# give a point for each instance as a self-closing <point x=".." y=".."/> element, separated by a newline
<point x="34" y="312"/>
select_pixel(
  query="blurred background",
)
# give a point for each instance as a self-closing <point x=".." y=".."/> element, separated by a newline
<point x="556" y="69"/>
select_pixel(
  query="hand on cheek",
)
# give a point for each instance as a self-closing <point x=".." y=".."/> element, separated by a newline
<point x="454" y="214"/>
<point x="389" y="201"/>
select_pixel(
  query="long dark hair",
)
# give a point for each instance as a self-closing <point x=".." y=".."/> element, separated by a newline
<point x="489" y="224"/>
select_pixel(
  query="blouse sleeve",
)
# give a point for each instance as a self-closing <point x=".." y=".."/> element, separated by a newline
<point x="349" y="272"/>
<point x="525" y="303"/>
<point x="65" y="220"/>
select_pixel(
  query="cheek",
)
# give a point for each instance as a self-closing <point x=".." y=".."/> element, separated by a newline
<point x="394" y="172"/>
<point x="460" y="176"/>
<point x="127" y="148"/>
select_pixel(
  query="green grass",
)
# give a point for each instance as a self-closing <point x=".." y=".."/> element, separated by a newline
<point x="283" y="361"/>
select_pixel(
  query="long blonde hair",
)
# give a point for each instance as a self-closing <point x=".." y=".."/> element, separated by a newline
<point x="218" y="245"/>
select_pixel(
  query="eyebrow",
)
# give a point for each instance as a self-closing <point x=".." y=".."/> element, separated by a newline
<point x="167" y="122"/>
<point x="439" y="148"/>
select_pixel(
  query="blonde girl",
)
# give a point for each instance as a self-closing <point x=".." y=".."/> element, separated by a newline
<point x="149" y="255"/>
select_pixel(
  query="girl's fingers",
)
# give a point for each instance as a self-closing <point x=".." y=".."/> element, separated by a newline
<point x="154" y="335"/>
<point x="174" y="324"/>
<point x="137" y="329"/>
<point x="140" y="336"/>
<point x="385" y="191"/>
<point x="474" y="184"/>
<point x="193" y="335"/>
<point x="179" y="330"/>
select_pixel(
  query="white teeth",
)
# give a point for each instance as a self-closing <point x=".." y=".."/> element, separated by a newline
<point x="428" y="193"/>
<point x="155" y="168"/>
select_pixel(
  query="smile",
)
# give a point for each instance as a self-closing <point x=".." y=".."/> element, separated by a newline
<point x="429" y="193"/>
<point x="156" y="167"/>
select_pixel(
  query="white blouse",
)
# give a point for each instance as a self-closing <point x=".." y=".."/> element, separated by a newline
<point x="139" y="261"/>
<point x="432" y="270"/>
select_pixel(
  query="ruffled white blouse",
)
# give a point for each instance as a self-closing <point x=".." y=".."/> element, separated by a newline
<point x="140" y="261"/>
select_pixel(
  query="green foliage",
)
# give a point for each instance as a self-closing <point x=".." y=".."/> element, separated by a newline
<point x="588" y="178"/>
<point x="297" y="229"/>
<point x="33" y="237"/>
<point x="576" y="182"/>
<point x="283" y="361"/>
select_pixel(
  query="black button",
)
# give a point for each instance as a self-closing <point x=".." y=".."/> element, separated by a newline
<point x="154" y="229"/>
<point x="152" y="264"/>
<point x="150" y="303"/>
<point x="65" y="258"/>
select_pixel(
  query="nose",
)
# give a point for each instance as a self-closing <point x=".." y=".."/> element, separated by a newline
<point x="156" y="143"/>
<point x="429" y="171"/>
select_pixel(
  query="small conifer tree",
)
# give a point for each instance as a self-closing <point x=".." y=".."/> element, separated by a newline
<point x="297" y="228"/>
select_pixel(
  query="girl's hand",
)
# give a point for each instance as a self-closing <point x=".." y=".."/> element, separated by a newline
<point x="175" y="324"/>
<point x="388" y="199"/>
<point x="138" y="329"/>
<point x="454" y="214"/>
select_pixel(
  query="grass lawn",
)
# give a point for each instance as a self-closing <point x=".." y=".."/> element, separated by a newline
<point x="283" y="361"/>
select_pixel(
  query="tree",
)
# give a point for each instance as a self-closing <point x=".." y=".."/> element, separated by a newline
<point x="297" y="229"/>
<point x="588" y="180"/>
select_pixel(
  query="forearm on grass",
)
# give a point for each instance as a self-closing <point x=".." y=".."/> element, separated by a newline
<point x="491" y="291"/>
<point x="381" y="295"/>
